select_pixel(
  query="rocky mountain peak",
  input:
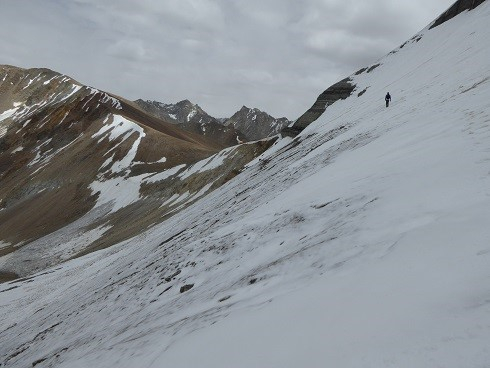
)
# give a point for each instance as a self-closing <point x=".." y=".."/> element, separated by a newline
<point x="185" y="104"/>
<point x="191" y="117"/>
<point x="247" y="124"/>
<point x="256" y="124"/>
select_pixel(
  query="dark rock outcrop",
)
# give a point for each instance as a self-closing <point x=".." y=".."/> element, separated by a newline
<point x="457" y="8"/>
<point x="339" y="91"/>
<point x="185" y="288"/>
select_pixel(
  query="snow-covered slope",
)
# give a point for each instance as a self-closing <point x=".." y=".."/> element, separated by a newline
<point x="363" y="242"/>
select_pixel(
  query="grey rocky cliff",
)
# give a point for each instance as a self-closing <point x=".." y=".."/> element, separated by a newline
<point x="338" y="91"/>
<point x="256" y="124"/>
<point x="192" y="117"/>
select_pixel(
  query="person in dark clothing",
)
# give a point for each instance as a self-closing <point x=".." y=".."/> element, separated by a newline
<point x="387" y="99"/>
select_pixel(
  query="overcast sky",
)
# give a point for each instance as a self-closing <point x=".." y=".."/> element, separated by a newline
<point x="277" y="55"/>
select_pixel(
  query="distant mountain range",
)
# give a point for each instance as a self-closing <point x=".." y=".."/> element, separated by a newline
<point x="192" y="118"/>
<point x="247" y="124"/>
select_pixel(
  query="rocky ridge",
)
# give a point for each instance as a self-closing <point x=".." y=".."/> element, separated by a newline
<point x="256" y="124"/>
<point x="191" y="117"/>
<point x="247" y="124"/>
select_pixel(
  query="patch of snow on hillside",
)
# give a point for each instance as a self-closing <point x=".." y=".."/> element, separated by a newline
<point x="44" y="158"/>
<point x="49" y="80"/>
<point x="188" y="197"/>
<point x="164" y="174"/>
<point x="7" y="113"/>
<point x="64" y="117"/>
<point x="4" y="116"/>
<point x="31" y="81"/>
<point x="119" y="127"/>
<point x="125" y="163"/>
<point x="25" y="123"/>
<point x="118" y="192"/>
<point x="191" y="114"/>
<point x="107" y="162"/>
<point x="105" y="98"/>
<point x="92" y="95"/>
<point x="209" y="163"/>
<point x="75" y="89"/>
<point x="114" y="102"/>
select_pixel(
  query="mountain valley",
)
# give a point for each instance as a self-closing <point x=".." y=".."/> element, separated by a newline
<point x="355" y="236"/>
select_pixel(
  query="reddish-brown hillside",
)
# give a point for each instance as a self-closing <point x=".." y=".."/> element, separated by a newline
<point x="74" y="159"/>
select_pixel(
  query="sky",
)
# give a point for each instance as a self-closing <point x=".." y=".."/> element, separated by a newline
<point x="275" y="55"/>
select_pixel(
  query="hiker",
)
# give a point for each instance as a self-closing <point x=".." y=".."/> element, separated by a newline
<point x="387" y="99"/>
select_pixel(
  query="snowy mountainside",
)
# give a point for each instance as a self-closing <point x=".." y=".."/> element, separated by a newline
<point x="81" y="169"/>
<point x="192" y="117"/>
<point x="364" y="241"/>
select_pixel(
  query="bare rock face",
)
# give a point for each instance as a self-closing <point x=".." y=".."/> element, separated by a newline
<point x="457" y="8"/>
<point x="185" y="288"/>
<point x="338" y="91"/>
<point x="191" y="117"/>
<point x="256" y="124"/>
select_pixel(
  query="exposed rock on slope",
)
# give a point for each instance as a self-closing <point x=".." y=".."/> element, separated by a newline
<point x="191" y="117"/>
<point x="256" y="124"/>
<point x="78" y="169"/>
<point x="338" y="91"/>
<point x="457" y="8"/>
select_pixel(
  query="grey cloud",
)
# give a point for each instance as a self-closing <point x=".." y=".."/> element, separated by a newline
<point x="130" y="49"/>
<point x="277" y="55"/>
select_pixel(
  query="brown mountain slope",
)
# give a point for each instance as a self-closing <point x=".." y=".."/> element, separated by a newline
<point x="74" y="159"/>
